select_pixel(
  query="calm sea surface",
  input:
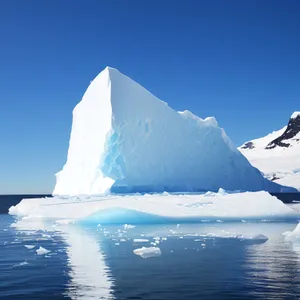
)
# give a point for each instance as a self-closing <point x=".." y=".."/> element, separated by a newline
<point x="205" y="261"/>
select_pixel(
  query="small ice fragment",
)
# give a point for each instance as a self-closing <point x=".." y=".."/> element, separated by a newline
<point x="117" y="244"/>
<point x="140" y="241"/>
<point x="24" y="263"/>
<point x="203" y="245"/>
<point x="145" y="252"/>
<point x="29" y="246"/>
<point x="197" y="240"/>
<point x="177" y="226"/>
<point x="122" y="240"/>
<point x="42" y="251"/>
<point x="165" y="194"/>
<point x="128" y="226"/>
<point x="164" y="239"/>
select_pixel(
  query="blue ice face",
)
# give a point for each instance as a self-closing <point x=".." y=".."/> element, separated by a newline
<point x="113" y="164"/>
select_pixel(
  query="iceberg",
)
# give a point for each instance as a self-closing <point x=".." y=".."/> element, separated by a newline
<point x="125" y="140"/>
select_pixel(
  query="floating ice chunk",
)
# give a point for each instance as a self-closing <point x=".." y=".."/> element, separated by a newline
<point x="24" y="263"/>
<point x="140" y="241"/>
<point x="146" y="252"/>
<point x="42" y="251"/>
<point x="29" y="246"/>
<point x="128" y="226"/>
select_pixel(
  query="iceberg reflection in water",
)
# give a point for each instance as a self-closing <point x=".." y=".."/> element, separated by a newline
<point x="88" y="271"/>
<point x="208" y="261"/>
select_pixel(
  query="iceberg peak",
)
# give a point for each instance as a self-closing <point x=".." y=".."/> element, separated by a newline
<point x="124" y="139"/>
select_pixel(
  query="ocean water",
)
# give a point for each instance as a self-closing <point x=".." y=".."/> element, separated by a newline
<point x="196" y="261"/>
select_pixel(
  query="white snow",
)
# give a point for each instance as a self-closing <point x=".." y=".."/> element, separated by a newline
<point x="124" y="139"/>
<point x="42" y="251"/>
<point x="290" y="180"/>
<point x="295" y="114"/>
<point x="145" y="252"/>
<point x="175" y="208"/>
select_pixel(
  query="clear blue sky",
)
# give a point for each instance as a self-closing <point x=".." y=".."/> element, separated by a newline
<point x="235" y="60"/>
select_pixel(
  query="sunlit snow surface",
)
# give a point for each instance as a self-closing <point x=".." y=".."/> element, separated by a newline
<point x="157" y="208"/>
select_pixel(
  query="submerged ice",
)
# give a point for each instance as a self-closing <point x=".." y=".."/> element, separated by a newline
<point x="124" y="139"/>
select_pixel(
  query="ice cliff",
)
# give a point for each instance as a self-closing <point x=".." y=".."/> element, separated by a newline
<point x="124" y="139"/>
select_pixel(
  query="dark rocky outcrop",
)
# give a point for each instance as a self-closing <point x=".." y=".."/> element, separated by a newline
<point x="248" y="145"/>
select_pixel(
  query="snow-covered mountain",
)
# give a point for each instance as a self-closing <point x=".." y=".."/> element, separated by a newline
<point x="124" y="139"/>
<point x="277" y="155"/>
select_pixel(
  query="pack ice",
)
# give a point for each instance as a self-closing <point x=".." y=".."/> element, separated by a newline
<point x="124" y="139"/>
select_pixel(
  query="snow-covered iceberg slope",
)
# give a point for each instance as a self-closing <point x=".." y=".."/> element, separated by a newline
<point x="277" y="154"/>
<point x="157" y="208"/>
<point x="124" y="139"/>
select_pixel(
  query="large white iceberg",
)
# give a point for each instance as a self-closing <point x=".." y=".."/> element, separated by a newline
<point x="124" y="139"/>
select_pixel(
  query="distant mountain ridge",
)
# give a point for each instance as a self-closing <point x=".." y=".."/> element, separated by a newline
<point x="277" y="154"/>
<point x="289" y="137"/>
<point x="291" y="133"/>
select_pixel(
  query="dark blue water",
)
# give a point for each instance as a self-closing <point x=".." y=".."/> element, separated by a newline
<point x="205" y="261"/>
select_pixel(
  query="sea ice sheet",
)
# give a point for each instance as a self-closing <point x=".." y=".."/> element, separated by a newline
<point x="149" y="209"/>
